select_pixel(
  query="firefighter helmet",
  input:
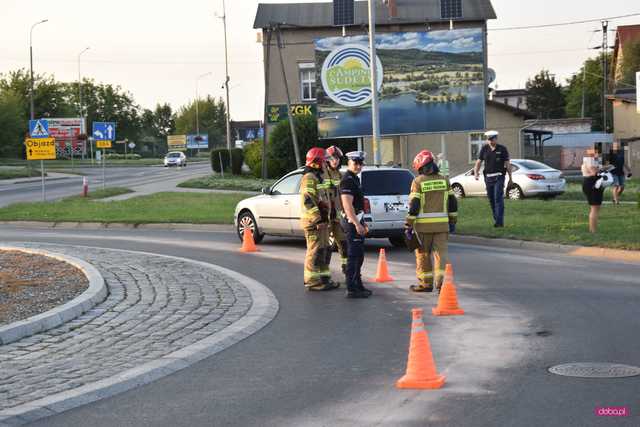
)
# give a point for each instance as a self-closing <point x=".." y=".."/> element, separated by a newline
<point x="334" y="151"/>
<point x="422" y="159"/>
<point x="315" y="157"/>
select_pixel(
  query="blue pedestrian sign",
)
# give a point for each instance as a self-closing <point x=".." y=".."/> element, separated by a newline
<point x="104" y="131"/>
<point x="39" y="128"/>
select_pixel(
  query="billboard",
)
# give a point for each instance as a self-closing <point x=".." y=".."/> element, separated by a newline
<point x="428" y="82"/>
<point x="278" y="112"/>
<point x="194" y="143"/>
<point x="177" y="142"/>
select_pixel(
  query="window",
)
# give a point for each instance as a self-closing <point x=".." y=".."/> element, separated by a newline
<point x="307" y="81"/>
<point x="476" y="140"/>
<point x="288" y="185"/>
<point x="386" y="182"/>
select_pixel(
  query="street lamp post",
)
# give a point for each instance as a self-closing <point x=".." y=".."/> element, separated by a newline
<point x="227" y="79"/>
<point x="83" y="126"/>
<point x="197" y="110"/>
<point x="32" y="113"/>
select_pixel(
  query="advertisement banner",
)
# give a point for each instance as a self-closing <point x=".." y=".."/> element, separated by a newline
<point x="278" y="112"/>
<point x="177" y="142"/>
<point x="428" y="82"/>
<point x="194" y="143"/>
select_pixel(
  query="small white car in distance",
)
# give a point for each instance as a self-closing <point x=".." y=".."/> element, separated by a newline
<point x="175" y="158"/>
<point x="530" y="179"/>
<point x="276" y="211"/>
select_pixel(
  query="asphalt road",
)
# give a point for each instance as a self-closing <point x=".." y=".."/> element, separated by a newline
<point x="328" y="361"/>
<point x="114" y="177"/>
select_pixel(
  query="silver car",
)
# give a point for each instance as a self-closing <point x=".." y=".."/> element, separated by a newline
<point x="530" y="179"/>
<point x="175" y="158"/>
<point x="276" y="211"/>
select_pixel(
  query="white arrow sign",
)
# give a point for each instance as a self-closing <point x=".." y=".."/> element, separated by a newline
<point x="109" y="132"/>
<point x="98" y="134"/>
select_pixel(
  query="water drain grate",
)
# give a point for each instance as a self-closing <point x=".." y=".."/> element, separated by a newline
<point x="595" y="370"/>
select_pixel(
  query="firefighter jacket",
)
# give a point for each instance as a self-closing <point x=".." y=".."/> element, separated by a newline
<point x="432" y="204"/>
<point x="332" y="178"/>
<point x="314" y="202"/>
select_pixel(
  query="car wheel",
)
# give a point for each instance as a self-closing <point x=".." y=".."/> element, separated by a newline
<point x="245" y="220"/>
<point x="397" y="241"/>
<point x="458" y="191"/>
<point x="515" y="192"/>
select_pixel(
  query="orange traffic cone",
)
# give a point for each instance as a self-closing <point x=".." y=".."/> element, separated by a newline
<point x="448" y="300"/>
<point x="248" y="244"/>
<point x="421" y="369"/>
<point x="382" y="275"/>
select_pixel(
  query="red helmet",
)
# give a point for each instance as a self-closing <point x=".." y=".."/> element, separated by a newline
<point x="334" y="151"/>
<point x="315" y="157"/>
<point x="422" y="159"/>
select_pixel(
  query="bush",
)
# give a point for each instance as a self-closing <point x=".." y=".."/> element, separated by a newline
<point x="237" y="159"/>
<point x="253" y="159"/>
<point x="116" y="156"/>
<point x="216" y="155"/>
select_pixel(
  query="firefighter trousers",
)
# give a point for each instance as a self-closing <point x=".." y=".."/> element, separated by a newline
<point x="316" y="270"/>
<point x="432" y="258"/>
<point x="335" y="231"/>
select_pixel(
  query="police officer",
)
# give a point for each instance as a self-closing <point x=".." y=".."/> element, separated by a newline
<point x="332" y="179"/>
<point x="314" y="219"/>
<point x="432" y="207"/>
<point x="496" y="165"/>
<point x="352" y="199"/>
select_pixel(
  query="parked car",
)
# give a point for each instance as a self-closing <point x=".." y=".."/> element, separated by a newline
<point x="175" y="158"/>
<point x="530" y="179"/>
<point x="276" y="211"/>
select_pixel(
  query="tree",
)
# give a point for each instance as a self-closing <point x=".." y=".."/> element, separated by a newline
<point x="212" y="120"/>
<point x="12" y="128"/>
<point x="630" y="64"/>
<point x="545" y="97"/>
<point x="591" y="70"/>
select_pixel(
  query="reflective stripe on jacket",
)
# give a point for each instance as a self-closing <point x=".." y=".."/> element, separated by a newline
<point x="429" y="197"/>
<point x="313" y="200"/>
<point x="332" y="180"/>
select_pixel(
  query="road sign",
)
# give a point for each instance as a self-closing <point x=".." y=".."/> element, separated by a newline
<point x="40" y="148"/>
<point x="103" y="143"/>
<point x="132" y="145"/>
<point x="177" y="142"/>
<point x="104" y="131"/>
<point x="39" y="128"/>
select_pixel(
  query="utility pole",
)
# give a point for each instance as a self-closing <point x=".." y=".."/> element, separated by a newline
<point x="294" y="135"/>
<point x="83" y="127"/>
<point x="226" y="81"/>
<point x="32" y="112"/>
<point x="375" y="112"/>
<point x="267" y="76"/>
<point x="584" y="76"/>
<point x="198" y="102"/>
<point x="605" y="50"/>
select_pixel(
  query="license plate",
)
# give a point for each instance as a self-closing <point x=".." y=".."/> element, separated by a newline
<point x="395" y="207"/>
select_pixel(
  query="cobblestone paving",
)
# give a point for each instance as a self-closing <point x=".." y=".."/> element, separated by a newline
<point x="156" y="305"/>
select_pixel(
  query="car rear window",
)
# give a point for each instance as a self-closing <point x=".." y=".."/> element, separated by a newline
<point x="386" y="182"/>
<point x="172" y="155"/>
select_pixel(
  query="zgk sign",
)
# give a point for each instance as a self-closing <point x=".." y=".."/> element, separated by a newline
<point x="103" y="144"/>
<point x="346" y="75"/>
<point x="40" y="148"/>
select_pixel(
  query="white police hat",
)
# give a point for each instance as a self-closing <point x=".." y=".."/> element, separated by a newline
<point x="356" y="155"/>
<point x="491" y="134"/>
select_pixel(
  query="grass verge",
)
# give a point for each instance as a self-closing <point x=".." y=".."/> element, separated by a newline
<point x="216" y="182"/>
<point x="574" y="192"/>
<point x="549" y="221"/>
<point x="194" y="208"/>
<point x="19" y="173"/>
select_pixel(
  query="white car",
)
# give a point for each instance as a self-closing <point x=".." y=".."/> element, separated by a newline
<point x="276" y="211"/>
<point x="175" y="158"/>
<point x="530" y="179"/>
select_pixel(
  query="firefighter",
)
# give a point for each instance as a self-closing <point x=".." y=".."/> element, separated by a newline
<point x="314" y="218"/>
<point x="432" y="208"/>
<point x="332" y="179"/>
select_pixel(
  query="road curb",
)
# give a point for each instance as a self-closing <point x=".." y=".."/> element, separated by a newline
<point x="95" y="294"/>
<point x="264" y="309"/>
<point x="578" y="251"/>
<point x="119" y="225"/>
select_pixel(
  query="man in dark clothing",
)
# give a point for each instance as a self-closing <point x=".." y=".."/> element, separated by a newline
<point x="352" y="223"/>
<point x="496" y="165"/>
<point x="617" y="160"/>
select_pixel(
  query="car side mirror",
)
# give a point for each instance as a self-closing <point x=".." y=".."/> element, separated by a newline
<point x="266" y="190"/>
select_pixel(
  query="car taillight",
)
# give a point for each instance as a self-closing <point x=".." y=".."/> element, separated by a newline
<point x="367" y="206"/>
<point x="535" y="176"/>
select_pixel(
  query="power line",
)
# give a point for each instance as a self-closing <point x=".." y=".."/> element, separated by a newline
<point x="560" y="24"/>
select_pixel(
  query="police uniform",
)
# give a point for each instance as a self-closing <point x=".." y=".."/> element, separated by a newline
<point x="432" y="207"/>
<point x="494" y="172"/>
<point x="350" y="185"/>
<point x="332" y="178"/>
<point x="315" y="207"/>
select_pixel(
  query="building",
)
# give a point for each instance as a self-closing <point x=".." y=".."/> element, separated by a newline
<point x="513" y="97"/>
<point x="626" y="113"/>
<point x="301" y="23"/>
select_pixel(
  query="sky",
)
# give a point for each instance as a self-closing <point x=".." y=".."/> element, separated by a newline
<point x="156" y="50"/>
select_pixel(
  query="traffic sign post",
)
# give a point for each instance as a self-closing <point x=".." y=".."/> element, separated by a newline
<point x="104" y="133"/>
<point x="40" y="147"/>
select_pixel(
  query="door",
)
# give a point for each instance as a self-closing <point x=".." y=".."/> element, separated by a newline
<point x="276" y="209"/>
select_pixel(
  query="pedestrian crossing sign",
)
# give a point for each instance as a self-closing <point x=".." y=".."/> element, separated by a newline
<point x="39" y="128"/>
